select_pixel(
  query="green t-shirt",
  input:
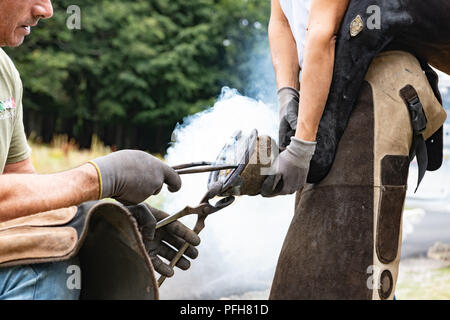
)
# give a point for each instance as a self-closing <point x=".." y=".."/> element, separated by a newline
<point x="13" y="142"/>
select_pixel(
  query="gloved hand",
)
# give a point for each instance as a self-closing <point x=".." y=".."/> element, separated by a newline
<point x="292" y="166"/>
<point x="288" y="99"/>
<point x="131" y="176"/>
<point x="175" y="234"/>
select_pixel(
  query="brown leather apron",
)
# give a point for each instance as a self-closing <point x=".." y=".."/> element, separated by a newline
<point x="113" y="260"/>
<point x="345" y="238"/>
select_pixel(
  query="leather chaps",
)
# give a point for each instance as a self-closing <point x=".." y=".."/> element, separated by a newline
<point x="345" y="238"/>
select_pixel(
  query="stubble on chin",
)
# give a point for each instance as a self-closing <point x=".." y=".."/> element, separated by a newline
<point x="16" y="40"/>
<point x="12" y="41"/>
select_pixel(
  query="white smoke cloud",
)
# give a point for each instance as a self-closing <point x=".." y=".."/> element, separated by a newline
<point x="444" y="81"/>
<point x="240" y="245"/>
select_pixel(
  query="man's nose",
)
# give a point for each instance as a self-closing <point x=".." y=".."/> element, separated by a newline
<point x="43" y="9"/>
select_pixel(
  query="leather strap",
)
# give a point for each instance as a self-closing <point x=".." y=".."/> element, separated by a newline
<point x="419" y="124"/>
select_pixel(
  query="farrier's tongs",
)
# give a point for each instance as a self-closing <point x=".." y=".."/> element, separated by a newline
<point x="204" y="209"/>
<point x="200" y="167"/>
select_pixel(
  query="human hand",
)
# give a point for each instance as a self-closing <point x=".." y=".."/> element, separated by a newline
<point x="157" y="242"/>
<point x="131" y="176"/>
<point x="292" y="166"/>
<point x="288" y="100"/>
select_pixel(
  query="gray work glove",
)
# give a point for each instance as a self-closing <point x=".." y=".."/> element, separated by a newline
<point x="292" y="166"/>
<point x="288" y="99"/>
<point x="157" y="242"/>
<point x="131" y="176"/>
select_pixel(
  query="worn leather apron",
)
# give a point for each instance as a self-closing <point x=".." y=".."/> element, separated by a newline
<point x="345" y="238"/>
<point x="104" y="235"/>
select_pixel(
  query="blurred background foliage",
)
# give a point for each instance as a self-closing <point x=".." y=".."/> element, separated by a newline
<point x="137" y="67"/>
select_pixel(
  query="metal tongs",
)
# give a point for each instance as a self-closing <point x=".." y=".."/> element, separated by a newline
<point x="200" y="167"/>
<point x="203" y="210"/>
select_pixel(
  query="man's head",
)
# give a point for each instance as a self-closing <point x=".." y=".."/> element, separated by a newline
<point x="18" y="16"/>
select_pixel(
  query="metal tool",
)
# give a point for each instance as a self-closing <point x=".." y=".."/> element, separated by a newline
<point x="203" y="210"/>
<point x="200" y="167"/>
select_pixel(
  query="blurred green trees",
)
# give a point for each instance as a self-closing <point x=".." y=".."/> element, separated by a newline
<point x="136" y="67"/>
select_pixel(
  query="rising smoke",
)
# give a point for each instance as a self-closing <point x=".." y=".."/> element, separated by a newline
<point x="240" y="245"/>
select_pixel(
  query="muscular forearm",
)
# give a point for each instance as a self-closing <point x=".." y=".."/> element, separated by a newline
<point x="26" y="194"/>
<point x="283" y="49"/>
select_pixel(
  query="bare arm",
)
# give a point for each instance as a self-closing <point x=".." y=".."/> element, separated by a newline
<point x="24" y="166"/>
<point x="283" y="49"/>
<point x="26" y="194"/>
<point x="128" y="176"/>
<point x="324" y="21"/>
